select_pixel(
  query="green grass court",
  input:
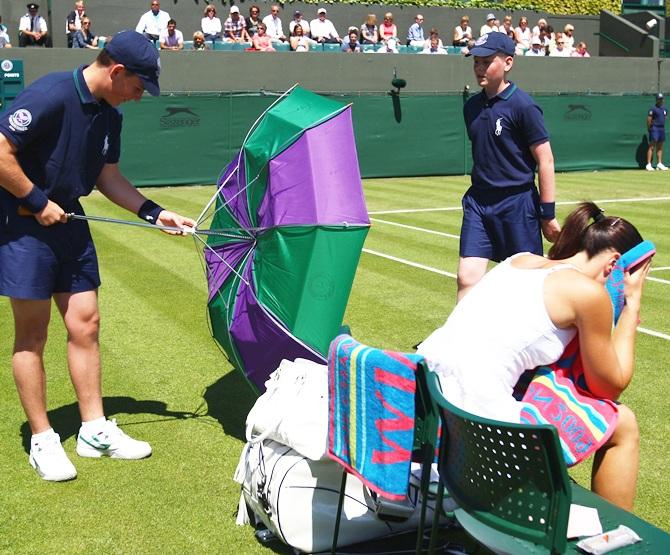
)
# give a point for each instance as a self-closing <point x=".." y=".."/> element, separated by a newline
<point x="166" y="381"/>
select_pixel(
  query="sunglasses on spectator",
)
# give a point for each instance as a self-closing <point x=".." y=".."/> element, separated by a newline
<point x="560" y="42"/>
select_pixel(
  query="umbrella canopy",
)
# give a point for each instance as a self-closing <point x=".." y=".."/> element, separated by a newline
<point x="292" y="200"/>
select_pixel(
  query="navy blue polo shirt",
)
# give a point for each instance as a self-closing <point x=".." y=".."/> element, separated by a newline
<point x="502" y="129"/>
<point x="658" y="115"/>
<point x="63" y="135"/>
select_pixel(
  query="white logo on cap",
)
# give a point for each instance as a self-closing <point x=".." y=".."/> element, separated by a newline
<point x="481" y="40"/>
<point x="7" y="65"/>
<point x="498" y="127"/>
<point x="105" y="146"/>
<point x="20" y="120"/>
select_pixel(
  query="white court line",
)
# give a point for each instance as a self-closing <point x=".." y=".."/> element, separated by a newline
<point x="656" y="269"/>
<point x="659" y="280"/>
<point x="562" y="203"/>
<point x="410" y="263"/>
<point x="449" y="274"/>
<point x="414" y="228"/>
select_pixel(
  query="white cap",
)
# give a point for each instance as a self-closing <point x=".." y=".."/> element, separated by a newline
<point x="321" y="10"/>
<point x="234" y="9"/>
<point x="490" y="17"/>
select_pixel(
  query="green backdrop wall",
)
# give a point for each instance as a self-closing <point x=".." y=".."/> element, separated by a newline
<point x="189" y="139"/>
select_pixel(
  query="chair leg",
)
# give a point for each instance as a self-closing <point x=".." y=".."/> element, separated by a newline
<point x="436" y="518"/>
<point x="340" y="505"/>
<point x="426" y="458"/>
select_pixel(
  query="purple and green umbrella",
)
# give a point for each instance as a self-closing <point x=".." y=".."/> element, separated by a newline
<point x="292" y="209"/>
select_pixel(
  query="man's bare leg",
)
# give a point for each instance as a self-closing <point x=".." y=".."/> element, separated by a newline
<point x="82" y="321"/>
<point x="31" y="321"/>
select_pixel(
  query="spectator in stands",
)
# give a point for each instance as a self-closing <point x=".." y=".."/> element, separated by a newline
<point x="522" y="36"/>
<point x="210" y="25"/>
<point x="580" y="51"/>
<point x="172" y="38"/>
<point x="154" y="22"/>
<point x="73" y="21"/>
<point x="84" y="38"/>
<point x="369" y="30"/>
<point x="656" y="117"/>
<point x="253" y="20"/>
<point x="506" y="25"/>
<point x="489" y="26"/>
<point x="388" y="29"/>
<point x="323" y="29"/>
<point x="415" y="35"/>
<point x="4" y="37"/>
<point x="33" y="30"/>
<point x="351" y="43"/>
<point x="569" y="36"/>
<point x="462" y="32"/>
<point x="545" y="39"/>
<point x="434" y="47"/>
<point x="390" y="46"/>
<point x="235" y="27"/>
<point x="536" y="48"/>
<point x="199" y="41"/>
<point x="434" y="33"/>
<point x="560" y="50"/>
<point x="541" y="24"/>
<point x="299" y="42"/>
<point x="551" y="36"/>
<point x="261" y="40"/>
<point x="273" y="26"/>
<point x="299" y="20"/>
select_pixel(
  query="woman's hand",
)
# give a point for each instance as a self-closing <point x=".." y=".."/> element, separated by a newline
<point x="633" y="283"/>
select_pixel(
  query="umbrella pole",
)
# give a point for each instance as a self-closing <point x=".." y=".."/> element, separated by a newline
<point x="185" y="230"/>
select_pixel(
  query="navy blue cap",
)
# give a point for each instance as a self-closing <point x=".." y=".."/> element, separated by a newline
<point x="139" y="55"/>
<point x="492" y="43"/>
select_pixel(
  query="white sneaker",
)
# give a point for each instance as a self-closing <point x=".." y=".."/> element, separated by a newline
<point x="661" y="166"/>
<point x="111" y="442"/>
<point x="48" y="458"/>
<point x="649" y="168"/>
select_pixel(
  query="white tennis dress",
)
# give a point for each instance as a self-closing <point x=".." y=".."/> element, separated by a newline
<point x="497" y="331"/>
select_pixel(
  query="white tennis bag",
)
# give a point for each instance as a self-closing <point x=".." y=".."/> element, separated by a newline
<point x="296" y="498"/>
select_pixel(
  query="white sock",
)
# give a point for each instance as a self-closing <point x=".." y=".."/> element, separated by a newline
<point x="93" y="426"/>
<point x="36" y="438"/>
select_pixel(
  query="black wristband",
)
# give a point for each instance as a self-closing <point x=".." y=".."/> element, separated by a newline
<point x="547" y="210"/>
<point x="35" y="200"/>
<point x="149" y="211"/>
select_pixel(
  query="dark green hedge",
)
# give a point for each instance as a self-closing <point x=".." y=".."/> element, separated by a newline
<point x="580" y="7"/>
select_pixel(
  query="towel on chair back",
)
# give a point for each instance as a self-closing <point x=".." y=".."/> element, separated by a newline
<point x="371" y="414"/>
<point x="558" y="393"/>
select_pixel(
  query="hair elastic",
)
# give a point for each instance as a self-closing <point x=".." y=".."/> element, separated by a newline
<point x="599" y="217"/>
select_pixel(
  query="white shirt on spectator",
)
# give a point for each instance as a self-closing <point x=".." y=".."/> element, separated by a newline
<point x="274" y="28"/>
<point x="324" y="29"/>
<point x="303" y="23"/>
<point x="153" y="24"/>
<point x="556" y="53"/>
<point x="211" y="26"/>
<point x="39" y="25"/>
<point x="486" y="29"/>
<point x="4" y="39"/>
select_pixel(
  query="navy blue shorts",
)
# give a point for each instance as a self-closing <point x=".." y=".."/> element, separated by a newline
<point x="37" y="261"/>
<point x="499" y="223"/>
<point x="657" y="134"/>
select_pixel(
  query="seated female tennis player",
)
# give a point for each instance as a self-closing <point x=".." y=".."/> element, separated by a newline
<point x="524" y="313"/>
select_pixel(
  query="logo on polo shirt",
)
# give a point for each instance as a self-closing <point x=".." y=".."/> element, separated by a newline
<point x="498" y="127"/>
<point x="20" y="120"/>
<point x="105" y="146"/>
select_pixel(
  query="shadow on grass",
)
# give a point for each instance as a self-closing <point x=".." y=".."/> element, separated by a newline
<point x="229" y="400"/>
<point x="66" y="420"/>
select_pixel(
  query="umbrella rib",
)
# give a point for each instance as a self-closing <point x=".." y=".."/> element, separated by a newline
<point x="222" y="260"/>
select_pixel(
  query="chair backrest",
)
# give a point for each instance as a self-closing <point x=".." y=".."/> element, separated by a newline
<point x="509" y="477"/>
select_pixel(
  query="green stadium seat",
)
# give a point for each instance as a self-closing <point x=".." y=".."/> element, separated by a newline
<point x="414" y="49"/>
<point x="454" y="49"/>
<point x="368" y="47"/>
<point x="327" y="47"/>
<point x="231" y="46"/>
<point x="282" y="46"/>
<point x="188" y="45"/>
